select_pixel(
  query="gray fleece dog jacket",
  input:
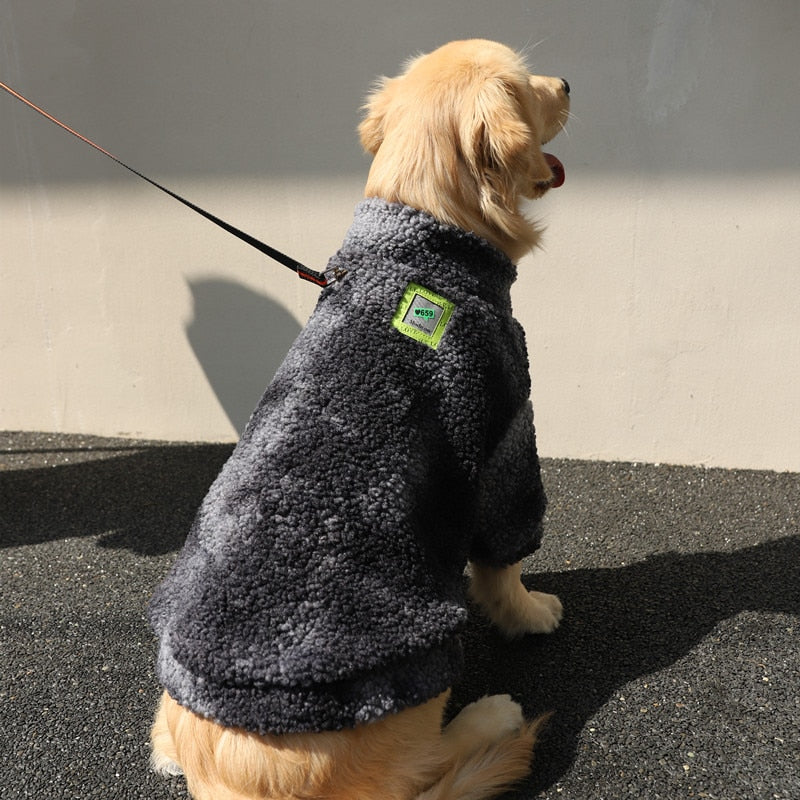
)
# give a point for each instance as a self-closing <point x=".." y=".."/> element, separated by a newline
<point x="321" y="584"/>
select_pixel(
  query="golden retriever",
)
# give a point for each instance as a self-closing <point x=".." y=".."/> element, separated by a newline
<point x="457" y="135"/>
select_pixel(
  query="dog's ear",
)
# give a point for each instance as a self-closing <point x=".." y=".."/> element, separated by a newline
<point x="501" y="147"/>
<point x="371" y="130"/>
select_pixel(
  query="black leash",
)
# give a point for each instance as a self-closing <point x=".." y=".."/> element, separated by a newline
<point x="319" y="278"/>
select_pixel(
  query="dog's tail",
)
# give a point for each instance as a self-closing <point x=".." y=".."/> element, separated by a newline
<point x="491" y="770"/>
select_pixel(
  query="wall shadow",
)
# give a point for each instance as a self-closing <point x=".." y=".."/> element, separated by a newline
<point x="143" y="501"/>
<point x="240" y="338"/>
<point x="274" y="89"/>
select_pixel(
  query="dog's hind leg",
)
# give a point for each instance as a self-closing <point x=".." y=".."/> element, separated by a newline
<point x="489" y="746"/>
<point x="483" y="722"/>
<point x="164" y="754"/>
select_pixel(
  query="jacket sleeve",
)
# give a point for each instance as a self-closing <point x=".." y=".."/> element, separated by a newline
<point x="511" y="500"/>
<point x="483" y="379"/>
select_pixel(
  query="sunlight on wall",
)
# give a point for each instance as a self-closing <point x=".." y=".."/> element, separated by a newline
<point x="659" y="327"/>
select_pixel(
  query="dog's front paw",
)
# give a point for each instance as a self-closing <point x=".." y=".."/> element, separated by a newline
<point x="531" y="612"/>
<point x="544" y="613"/>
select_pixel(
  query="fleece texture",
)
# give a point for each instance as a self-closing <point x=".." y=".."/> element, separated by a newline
<point x="321" y="584"/>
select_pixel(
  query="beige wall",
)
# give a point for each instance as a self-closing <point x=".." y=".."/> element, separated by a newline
<point x="662" y="317"/>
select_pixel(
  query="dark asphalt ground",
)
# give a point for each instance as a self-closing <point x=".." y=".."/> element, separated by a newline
<point x="676" y="672"/>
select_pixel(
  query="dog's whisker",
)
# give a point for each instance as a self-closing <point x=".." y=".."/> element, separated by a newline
<point x="567" y="117"/>
<point x="530" y="47"/>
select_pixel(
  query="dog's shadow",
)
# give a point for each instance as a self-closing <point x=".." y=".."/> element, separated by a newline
<point x="621" y="624"/>
<point x="239" y="338"/>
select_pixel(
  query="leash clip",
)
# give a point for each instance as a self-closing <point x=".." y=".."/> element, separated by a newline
<point x="333" y="275"/>
<point x="322" y="279"/>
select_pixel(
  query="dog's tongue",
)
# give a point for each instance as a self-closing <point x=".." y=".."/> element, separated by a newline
<point x="558" y="170"/>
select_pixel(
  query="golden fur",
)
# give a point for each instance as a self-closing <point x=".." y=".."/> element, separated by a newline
<point x="458" y="135"/>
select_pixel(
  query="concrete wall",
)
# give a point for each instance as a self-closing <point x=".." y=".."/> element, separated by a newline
<point x="662" y="317"/>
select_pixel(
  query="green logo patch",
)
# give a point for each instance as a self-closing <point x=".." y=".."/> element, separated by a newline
<point x="423" y="315"/>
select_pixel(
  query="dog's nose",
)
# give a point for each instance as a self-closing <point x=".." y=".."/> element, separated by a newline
<point x="565" y="84"/>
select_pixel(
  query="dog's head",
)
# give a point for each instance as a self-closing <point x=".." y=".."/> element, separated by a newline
<point x="459" y="134"/>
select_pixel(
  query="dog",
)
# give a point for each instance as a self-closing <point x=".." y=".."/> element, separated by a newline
<point x="309" y="628"/>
